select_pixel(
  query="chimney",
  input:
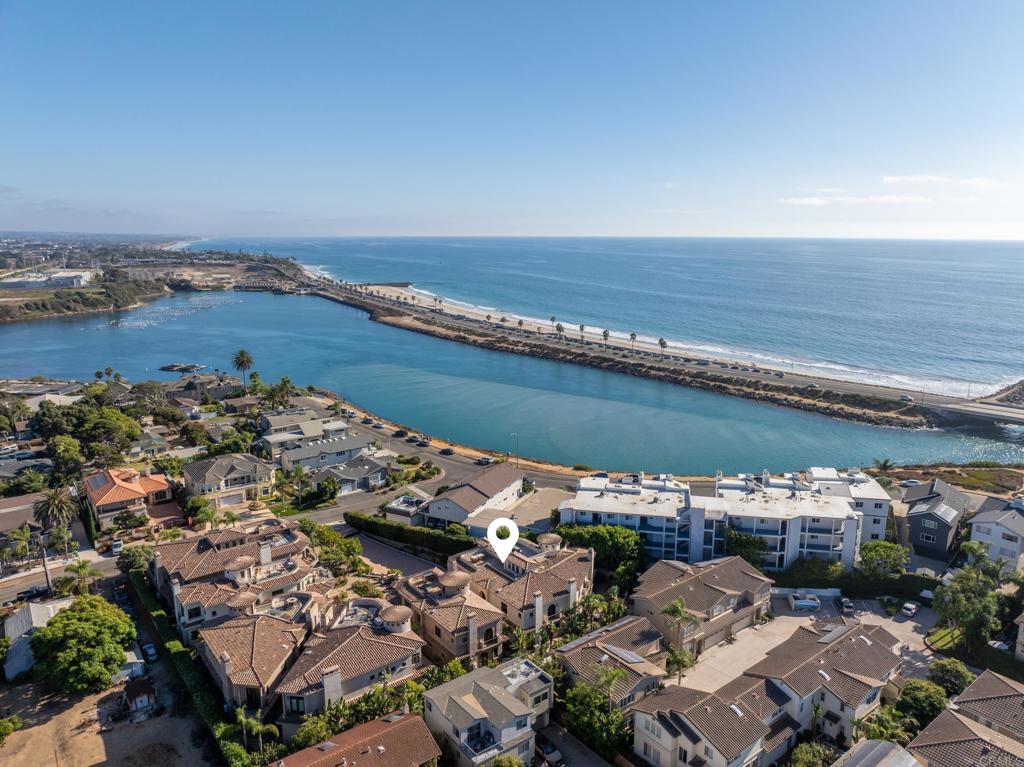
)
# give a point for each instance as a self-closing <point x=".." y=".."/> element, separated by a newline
<point x="572" y="592"/>
<point x="175" y="586"/>
<point x="471" y="628"/>
<point x="331" y="681"/>
<point x="538" y="609"/>
<point x="225" y="662"/>
<point x="265" y="558"/>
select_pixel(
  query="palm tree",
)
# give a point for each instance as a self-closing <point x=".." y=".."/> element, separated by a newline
<point x="230" y="518"/>
<point x="607" y="676"/>
<point x="592" y="605"/>
<point x="678" y="616"/>
<point x="254" y="725"/>
<point x="84" y="574"/>
<point x="559" y="329"/>
<point x="582" y="328"/>
<point x="108" y="372"/>
<point x="663" y="344"/>
<point x="99" y="375"/>
<point x="884" y="465"/>
<point x="207" y="516"/>
<point x="301" y="481"/>
<point x="616" y="605"/>
<point x="632" y="340"/>
<point x="677" y="661"/>
<point x="552" y="321"/>
<point x="604" y="335"/>
<point x="243" y="364"/>
<point x="520" y="323"/>
<point x="22" y="539"/>
<point x="54" y="509"/>
<point x="815" y="718"/>
<point x="60" y="537"/>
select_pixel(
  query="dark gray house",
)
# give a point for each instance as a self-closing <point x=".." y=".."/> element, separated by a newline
<point x="934" y="512"/>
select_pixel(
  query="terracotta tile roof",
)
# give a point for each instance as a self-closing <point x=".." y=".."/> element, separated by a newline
<point x="996" y="698"/>
<point x="451" y="613"/>
<point x="120" y="485"/>
<point x="205" y="556"/>
<point x="760" y="695"/>
<point x="257" y="646"/>
<point x="550" y="576"/>
<point x="953" y="740"/>
<point x="702" y="586"/>
<point x="354" y="650"/>
<point x="587" y="662"/>
<point x="398" y="740"/>
<point x="211" y="471"/>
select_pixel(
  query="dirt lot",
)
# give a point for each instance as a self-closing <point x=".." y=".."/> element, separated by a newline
<point x="59" y="732"/>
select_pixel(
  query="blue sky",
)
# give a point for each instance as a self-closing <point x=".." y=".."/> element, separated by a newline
<point x="869" y="119"/>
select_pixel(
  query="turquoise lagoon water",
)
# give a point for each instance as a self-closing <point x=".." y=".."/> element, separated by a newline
<point x="562" y="412"/>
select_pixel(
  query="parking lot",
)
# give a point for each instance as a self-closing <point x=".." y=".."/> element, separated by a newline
<point x="725" y="662"/>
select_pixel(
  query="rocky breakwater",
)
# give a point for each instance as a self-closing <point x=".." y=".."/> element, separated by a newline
<point x="862" y="408"/>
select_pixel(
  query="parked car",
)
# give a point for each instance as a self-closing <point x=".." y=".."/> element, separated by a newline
<point x="116" y="546"/>
<point x="547" y="751"/>
<point x="447" y="451"/>
<point x="845" y="606"/>
<point x="422" y="443"/>
<point x="378" y="425"/>
<point x="367" y="421"/>
<point x="484" y="460"/>
<point x="910" y="609"/>
<point x="906" y="398"/>
<point x="36" y="592"/>
<point x="400" y="433"/>
<point x="911" y="483"/>
<point x="149" y="650"/>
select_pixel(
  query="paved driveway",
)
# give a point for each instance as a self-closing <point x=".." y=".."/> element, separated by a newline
<point x="725" y="662"/>
<point x="392" y="558"/>
<point x="573" y="751"/>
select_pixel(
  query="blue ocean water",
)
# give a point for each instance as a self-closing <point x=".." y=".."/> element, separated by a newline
<point x="932" y="316"/>
<point x="561" y="412"/>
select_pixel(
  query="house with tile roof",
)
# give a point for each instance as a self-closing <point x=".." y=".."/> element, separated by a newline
<point x="229" y="481"/>
<point x="269" y="567"/>
<point x="497" y="486"/>
<point x="876" y="753"/>
<point x="456" y="623"/>
<point x="983" y="727"/>
<point x="325" y="452"/>
<point x="111" y="491"/>
<point x="756" y="718"/>
<point x="491" y="711"/>
<point x="999" y="524"/>
<point x="197" y="386"/>
<point x="360" y="473"/>
<point x="535" y="584"/>
<point x="344" y="663"/>
<point x="248" y="655"/>
<point x="633" y="645"/>
<point x="396" y="740"/>
<point x="724" y="595"/>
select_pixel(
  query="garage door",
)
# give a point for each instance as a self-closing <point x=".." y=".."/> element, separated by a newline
<point x="231" y="500"/>
<point x="742" y="623"/>
<point x="714" y="639"/>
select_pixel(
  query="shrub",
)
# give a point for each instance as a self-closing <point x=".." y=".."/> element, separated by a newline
<point x="951" y="675"/>
<point x="436" y="541"/>
<point x="367" y="589"/>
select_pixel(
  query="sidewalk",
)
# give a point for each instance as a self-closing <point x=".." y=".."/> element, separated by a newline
<point x="90" y="555"/>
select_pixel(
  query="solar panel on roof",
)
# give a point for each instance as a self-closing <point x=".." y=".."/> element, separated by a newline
<point x="626" y="655"/>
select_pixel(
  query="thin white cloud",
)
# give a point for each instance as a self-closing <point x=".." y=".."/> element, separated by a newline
<point x="871" y="199"/>
<point x="975" y="182"/>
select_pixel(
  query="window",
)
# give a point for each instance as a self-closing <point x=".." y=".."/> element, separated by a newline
<point x="983" y="529"/>
<point x="296" y="705"/>
<point x="521" y="722"/>
<point x="859" y="505"/>
<point x="876" y="521"/>
<point x="538" y="699"/>
<point x="1010" y="538"/>
<point x="874" y="536"/>
<point x="524" y="748"/>
<point x="504" y="608"/>
<point x="708" y="752"/>
<point x="931" y="524"/>
<point x="437" y="631"/>
<point x="682" y="756"/>
<point x="927" y="538"/>
<point x="879" y="505"/>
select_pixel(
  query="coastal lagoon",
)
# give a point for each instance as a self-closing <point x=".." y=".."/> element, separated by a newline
<point x="561" y="413"/>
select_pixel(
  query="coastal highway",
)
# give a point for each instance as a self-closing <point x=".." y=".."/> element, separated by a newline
<point x="570" y="341"/>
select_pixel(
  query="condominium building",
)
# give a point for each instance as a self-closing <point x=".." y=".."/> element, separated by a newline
<point x="795" y="518"/>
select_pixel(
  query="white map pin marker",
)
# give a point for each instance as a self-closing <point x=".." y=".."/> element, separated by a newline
<point x="502" y="546"/>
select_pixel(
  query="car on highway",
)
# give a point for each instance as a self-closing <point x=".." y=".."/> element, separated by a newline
<point x="910" y="609"/>
<point x="149" y="650"/>
<point x="813" y="385"/>
<point x="422" y="443"/>
<point x="484" y="460"/>
<point x="906" y="398"/>
<point x="779" y="374"/>
<point x="446" y="451"/>
<point x="911" y="483"/>
<point x="400" y="433"/>
<point x="367" y="421"/>
<point x="547" y="752"/>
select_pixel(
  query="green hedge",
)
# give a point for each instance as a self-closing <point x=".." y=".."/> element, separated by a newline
<point x="204" y="698"/>
<point x="424" y="537"/>
<point x="818" y="574"/>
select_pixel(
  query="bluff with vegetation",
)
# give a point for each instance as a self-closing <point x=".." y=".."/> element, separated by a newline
<point x="116" y="290"/>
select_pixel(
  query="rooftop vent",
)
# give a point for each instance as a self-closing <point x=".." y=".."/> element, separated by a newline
<point x="736" y="710"/>
<point x="824" y="675"/>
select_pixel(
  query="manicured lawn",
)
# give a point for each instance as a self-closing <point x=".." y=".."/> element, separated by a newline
<point x="948" y="643"/>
